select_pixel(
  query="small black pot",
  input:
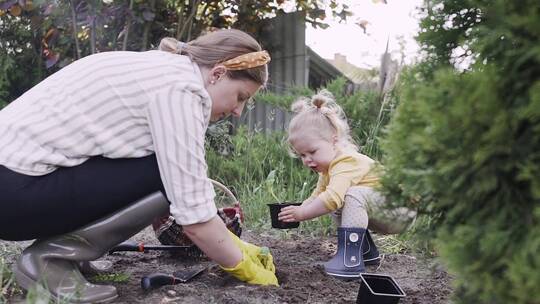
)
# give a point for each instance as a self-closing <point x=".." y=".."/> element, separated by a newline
<point x="275" y="209"/>
<point x="378" y="289"/>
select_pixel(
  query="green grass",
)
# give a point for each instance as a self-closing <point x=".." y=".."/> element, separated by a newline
<point x="111" y="278"/>
<point x="392" y="244"/>
<point x="8" y="287"/>
<point x="260" y="171"/>
<point x="7" y="284"/>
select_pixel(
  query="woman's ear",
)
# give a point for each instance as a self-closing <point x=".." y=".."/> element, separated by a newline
<point x="218" y="72"/>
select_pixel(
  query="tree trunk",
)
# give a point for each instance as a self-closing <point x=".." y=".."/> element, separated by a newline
<point x="77" y="54"/>
<point x="147" y="27"/>
<point x="40" y="61"/>
<point x="126" y="29"/>
<point x="199" y="25"/>
<point x="93" y="32"/>
<point x="189" y="22"/>
<point x="180" y="13"/>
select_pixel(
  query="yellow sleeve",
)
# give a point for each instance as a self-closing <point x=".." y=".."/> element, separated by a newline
<point x="318" y="189"/>
<point x="343" y="174"/>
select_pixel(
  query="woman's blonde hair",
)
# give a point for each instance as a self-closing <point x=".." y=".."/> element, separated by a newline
<point x="322" y="116"/>
<point x="218" y="46"/>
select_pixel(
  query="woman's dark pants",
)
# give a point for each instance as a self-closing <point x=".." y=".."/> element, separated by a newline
<point x="34" y="207"/>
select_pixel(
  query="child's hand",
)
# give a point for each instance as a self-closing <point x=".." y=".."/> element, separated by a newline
<point x="291" y="214"/>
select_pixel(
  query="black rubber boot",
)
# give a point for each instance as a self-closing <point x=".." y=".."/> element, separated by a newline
<point x="348" y="261"/>
<point x="370" y="253"/>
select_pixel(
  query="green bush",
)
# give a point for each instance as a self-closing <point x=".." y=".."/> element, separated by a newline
<point x="464" y="146"/>
<point x="20" y="64"/>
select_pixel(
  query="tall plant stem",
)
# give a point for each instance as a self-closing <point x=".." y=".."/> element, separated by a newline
<point x="77" y="54"/>
<point x="189" y="21"/>
<point x="128" y="24"/>
<point x="180" y="12"/>
<point x="93" y="31"/>
<point x="147" y="27"/>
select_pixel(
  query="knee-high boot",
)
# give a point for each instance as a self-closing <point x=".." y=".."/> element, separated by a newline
<point x="52" y="264"/>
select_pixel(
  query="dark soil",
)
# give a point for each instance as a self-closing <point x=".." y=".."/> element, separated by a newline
<point x="298" y="260"/>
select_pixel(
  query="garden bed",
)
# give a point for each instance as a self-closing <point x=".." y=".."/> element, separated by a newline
<point x="298" y="260"/>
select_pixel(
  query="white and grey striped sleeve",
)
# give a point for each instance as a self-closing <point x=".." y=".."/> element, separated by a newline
<point x="178" y="126"/>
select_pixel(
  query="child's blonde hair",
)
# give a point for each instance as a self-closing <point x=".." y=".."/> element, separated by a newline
<point x="321" y="116"/>
<point x="219" y="46"/>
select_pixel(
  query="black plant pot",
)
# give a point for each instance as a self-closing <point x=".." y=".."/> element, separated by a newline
<point x="378" y="289"/>
<point x="275" y="209"/>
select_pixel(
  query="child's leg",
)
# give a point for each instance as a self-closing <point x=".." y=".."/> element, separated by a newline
<point x="355" y="206"/>
<point x="382" y="219"/>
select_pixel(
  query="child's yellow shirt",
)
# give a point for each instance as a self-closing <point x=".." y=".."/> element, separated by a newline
<point x="345" y="171"/>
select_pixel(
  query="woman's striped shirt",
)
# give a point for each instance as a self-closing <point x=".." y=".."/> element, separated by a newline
<point x="118" y="105"/>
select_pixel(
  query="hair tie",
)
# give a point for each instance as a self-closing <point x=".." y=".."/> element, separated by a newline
<point x="179" y="46"/>
<point x="317" y="103"/>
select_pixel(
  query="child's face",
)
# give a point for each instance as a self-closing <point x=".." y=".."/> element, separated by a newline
<point x="315" y="152"/>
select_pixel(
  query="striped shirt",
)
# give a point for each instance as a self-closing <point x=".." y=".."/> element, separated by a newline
<point x="118" y="105"/>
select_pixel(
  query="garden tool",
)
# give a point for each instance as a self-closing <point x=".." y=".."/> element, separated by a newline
<point x="52" y="264"/>
<point x="188" y="251"/>
<point x="348" y="261"/>
<point x="159" y="279"/>
<point x="258" y="258"/>
<point x="141" y="247"/>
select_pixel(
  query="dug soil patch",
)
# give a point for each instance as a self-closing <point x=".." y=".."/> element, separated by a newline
<point x="298" y="260"/>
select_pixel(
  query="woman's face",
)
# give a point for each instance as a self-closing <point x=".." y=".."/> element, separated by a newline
<point x="229" y="96"/>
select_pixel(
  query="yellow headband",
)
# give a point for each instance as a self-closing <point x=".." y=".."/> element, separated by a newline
<point x="247" y="61"/>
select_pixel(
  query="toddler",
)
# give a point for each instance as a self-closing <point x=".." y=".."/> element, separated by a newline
<point x="320" y="136"/>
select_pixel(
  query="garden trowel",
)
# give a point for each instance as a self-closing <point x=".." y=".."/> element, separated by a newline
<point x="159" y="279"/>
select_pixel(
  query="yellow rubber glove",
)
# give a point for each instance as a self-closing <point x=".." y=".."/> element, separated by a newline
<point x="260" y="255"/>
<point x="257" y="265"/>
<point x="267" y="259"/>
<point x="251" y="272"/>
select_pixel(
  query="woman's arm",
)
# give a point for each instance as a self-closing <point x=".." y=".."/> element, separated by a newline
<point x="244" y="261"/>
<point x="213" y="239"/>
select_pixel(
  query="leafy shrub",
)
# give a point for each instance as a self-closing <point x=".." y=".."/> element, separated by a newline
<point x="20" y="67"/>
<point x="463" y="146"/>
<point x="218" y="138"/>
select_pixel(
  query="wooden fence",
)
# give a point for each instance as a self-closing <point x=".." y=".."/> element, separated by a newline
<point x="261" y="117"/>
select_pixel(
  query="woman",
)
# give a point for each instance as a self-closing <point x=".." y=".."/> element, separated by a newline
<point x="92" y="154"/>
